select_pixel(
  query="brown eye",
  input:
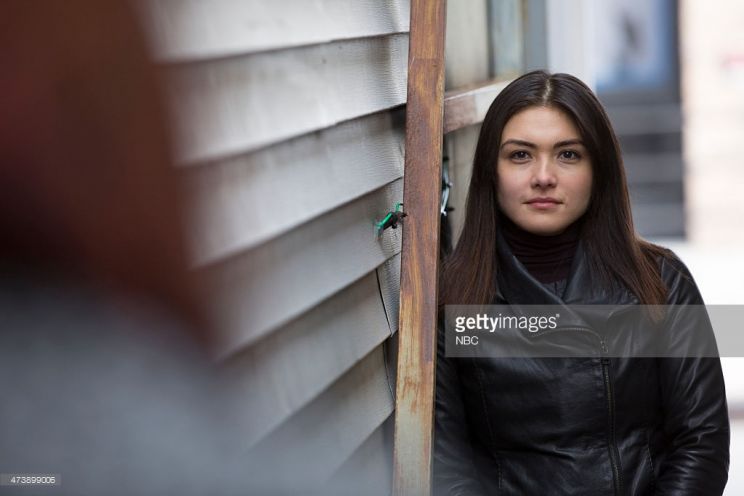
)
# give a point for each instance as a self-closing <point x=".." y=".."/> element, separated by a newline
<point x="569" y="155"/>
<point x="519" y="155"/>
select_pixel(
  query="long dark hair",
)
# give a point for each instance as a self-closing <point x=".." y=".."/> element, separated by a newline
<point x="613" y="249"/>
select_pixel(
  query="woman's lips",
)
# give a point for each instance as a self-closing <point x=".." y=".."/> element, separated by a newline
<point x="543" y="203"/>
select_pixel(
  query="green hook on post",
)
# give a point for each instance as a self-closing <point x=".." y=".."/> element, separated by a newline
<point x="391" y="219"/>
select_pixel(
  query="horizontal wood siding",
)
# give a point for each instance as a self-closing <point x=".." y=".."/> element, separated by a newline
<point x="289" y="133"/>
<point x="367" y="471"/>
<point x="303" y="358"/>
<point x="250" y="199"/>
<point x="278" y="281"/>
<point x="231" y="106"/>
<point x="388" y="275"/>
<point x="321" y="437"/>
<point x="188" y="30"/>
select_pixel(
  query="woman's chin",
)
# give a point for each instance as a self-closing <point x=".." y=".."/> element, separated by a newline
<point x="542" y="228"/>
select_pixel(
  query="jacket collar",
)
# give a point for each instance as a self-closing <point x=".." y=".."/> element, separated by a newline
<point x="517" y="286"/>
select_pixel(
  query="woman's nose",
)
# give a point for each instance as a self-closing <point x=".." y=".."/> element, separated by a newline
<point x="544" y="175"/>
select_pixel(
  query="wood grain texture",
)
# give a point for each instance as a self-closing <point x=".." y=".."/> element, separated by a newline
<point x="282" y="373"/>
<point x="251" y="199"/>
<point x="467" y="106"/>
<point x="227" y="107"/>
<point x="264" y="288"/>
<point x="189" y="30"/>
<point x="420" y="251"/>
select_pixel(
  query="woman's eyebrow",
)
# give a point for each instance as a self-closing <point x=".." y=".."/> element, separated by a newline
<point x="518" y="142"/>
<point x="568" y="142"/>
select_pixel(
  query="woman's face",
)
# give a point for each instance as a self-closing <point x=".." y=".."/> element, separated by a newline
<point x="544" y="171"/>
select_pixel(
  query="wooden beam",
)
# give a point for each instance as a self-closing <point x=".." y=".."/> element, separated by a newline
<point x="420" y="251"/>
<point x="466" y="106"/>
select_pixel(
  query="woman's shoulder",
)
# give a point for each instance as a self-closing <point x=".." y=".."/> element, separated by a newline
<point x="669" y="263"/>
<point x="674" y="273"/>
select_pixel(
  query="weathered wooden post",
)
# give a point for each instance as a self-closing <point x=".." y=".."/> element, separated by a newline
<point x="420" y="251"/>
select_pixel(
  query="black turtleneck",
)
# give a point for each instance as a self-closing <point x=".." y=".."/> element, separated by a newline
<point x="546" y="258"/>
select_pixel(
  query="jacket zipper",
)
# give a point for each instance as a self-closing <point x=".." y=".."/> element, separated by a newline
<point x="614" y="452"/>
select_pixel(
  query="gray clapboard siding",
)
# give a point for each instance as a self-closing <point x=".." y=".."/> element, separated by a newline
<point x="268" y="286"/>
<point x="284" y="131"/>
<point x="249" y="199"/>
<point x="198" y="29"/>
<point x="388" y="275"/>
<point x="367" y="472"/>
<point x="314" y="443"/>
<point x="280" y="374"/>
<point x="231" y="106"/>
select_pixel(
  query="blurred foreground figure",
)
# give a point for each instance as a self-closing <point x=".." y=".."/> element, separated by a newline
<point x="105" y="379"/>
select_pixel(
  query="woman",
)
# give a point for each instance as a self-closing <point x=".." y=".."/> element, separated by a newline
<point x="548" y="221"/>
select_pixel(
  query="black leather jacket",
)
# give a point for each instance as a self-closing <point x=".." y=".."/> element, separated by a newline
<point x="581" y="426"/>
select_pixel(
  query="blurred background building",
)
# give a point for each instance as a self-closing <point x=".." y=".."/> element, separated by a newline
<point x="289" y="121"/>
<point x="712" y="69"/>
